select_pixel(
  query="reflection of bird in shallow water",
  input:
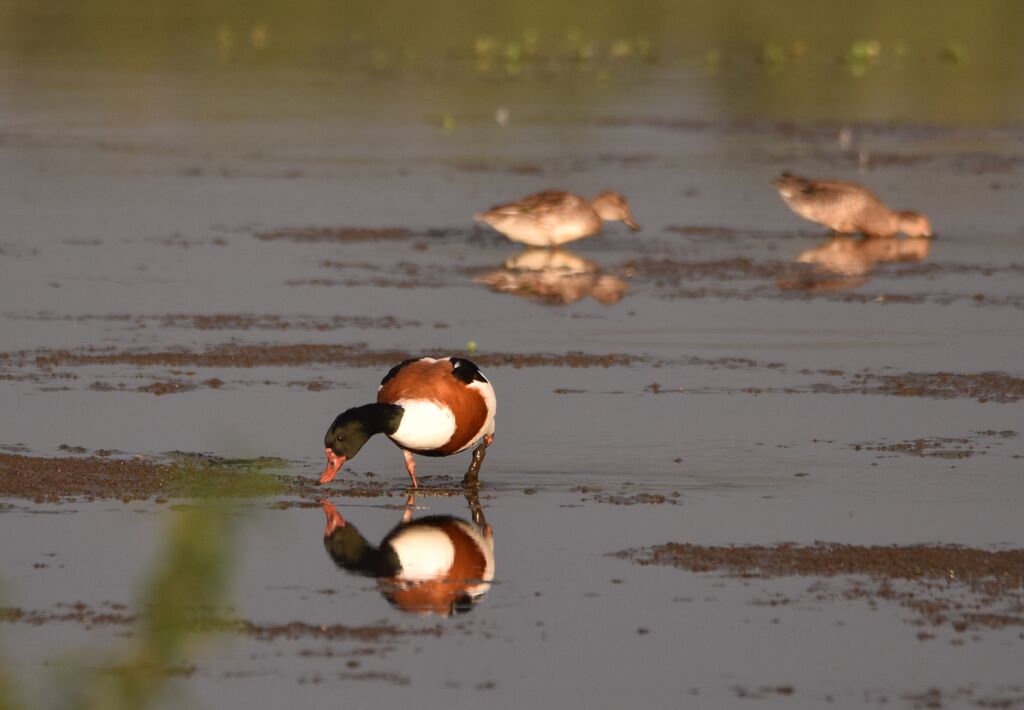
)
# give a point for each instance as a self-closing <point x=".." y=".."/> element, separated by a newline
<point x="553" y="217"/>
<point x="426" y="406"/>
<point x="434" y="565"/>
<point x="846" y="262"/>
<point x="847" y="208"/>
<point x="554" y="276"/>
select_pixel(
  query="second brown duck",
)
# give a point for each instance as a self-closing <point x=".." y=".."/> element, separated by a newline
<point x="848" y="208"/>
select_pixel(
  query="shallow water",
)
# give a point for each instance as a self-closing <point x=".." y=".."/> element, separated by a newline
<point x="152" y="220"/>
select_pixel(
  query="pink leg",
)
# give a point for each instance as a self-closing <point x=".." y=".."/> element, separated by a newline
<point x="489" y="439"/>
<point x="410" y="466"/>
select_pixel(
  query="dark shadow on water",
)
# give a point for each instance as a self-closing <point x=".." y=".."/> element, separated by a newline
<point x="438" y="564"/>
<point x="555" y="277"/>
<point x="847" y="262"/>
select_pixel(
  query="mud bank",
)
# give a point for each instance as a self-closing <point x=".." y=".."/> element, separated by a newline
<point x="246" y="356"/>
<point x="98" y="477"/>
<point x="950" y="586"/>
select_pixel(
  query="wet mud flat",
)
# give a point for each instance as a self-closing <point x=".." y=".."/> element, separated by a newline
<point x="729" y="379"/>
<point x="944" y="585"/>
<point x="302" y="626"/>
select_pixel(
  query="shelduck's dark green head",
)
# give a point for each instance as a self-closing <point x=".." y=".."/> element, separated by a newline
<point x="352" y="428"/>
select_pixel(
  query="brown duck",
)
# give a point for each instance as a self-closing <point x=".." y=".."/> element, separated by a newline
<point x="847" y="208"/>
<point x="553" y="217"/>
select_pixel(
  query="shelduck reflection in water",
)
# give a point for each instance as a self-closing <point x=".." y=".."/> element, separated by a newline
<point x="847" y="262"/>
<point x="554" y="277"/>
<point x="438" y="564"/>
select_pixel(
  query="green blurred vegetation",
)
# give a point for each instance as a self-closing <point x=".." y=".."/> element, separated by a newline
<point x="802" y="59"/>
<point x="182" y="599"/>
<point x="211" y="477"/>
<point x="189" y="582"/>
<point x="171" y="32"/>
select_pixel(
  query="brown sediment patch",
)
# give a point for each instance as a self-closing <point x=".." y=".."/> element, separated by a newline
<point x="636" y="498"/>
<point x="626" y="495"/>
<point x="942" y="447"/>
<point x="982" y="386"/>
<point x="667" y="271"/>
<point x="170" y="387"/>
<point x="806" y="286"/>
<point x="35" y="376"/>
<point x="938" y="447"/>
<point x="998" y="387"/>
<point x="179" y="475"/>
<point x="762" y="692"/>
<point x="513" y="168"/>
<point x="385" y="676"/>
<point x="953" y="268"/>
<point x="119" y="615"/>
<point x="98" y="477"/>
<point x="944" y="585"/>
<point x="721" y="233"/>
<point x="235" y="321"/>
<point x="991" y="571"/>
<point x="334" y="234"/>
<point x="1000" y="698"/>
<point x="79" y="613"/>
<point x="157" y="387"/>
<point x="334" y="632"/>
<point x="292" y="355"/>
<point x="401" y="274"/>
<point x="51" y="479"/>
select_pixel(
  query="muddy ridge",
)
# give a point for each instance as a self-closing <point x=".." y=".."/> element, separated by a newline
<point x="334" y="234"/>
<point x="97" y="477"/>
<point x="982" y="386"/>
<point x="234" y="321"/>
<point x="938" y="447"/>
<point x="109" y="475"/>
<point x="992" y="571"/>
<point x="942" y="585"/>
<point x="292" y="355"/>
<point x="119" y="615"/>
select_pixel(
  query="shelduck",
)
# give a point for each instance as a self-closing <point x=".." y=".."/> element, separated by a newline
<point x="433" y="407"/>
<point x="847" y="208"/>
<point x="554" y="217"/>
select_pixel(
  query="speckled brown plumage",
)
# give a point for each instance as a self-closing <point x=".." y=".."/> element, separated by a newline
<point x="554" y="217"/>
<point x="847" y="208"/>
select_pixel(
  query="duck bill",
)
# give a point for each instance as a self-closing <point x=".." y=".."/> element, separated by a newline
<point x="633" y="226"/>
<point x="334" y="464"/>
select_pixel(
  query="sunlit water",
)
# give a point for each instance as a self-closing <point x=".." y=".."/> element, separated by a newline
<point x="141" y="193"/>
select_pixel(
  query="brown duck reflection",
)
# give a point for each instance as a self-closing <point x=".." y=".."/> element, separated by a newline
<point x="437" y="564"/>
<point x="556" y="277"/>
<point x="847" y="262"/>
